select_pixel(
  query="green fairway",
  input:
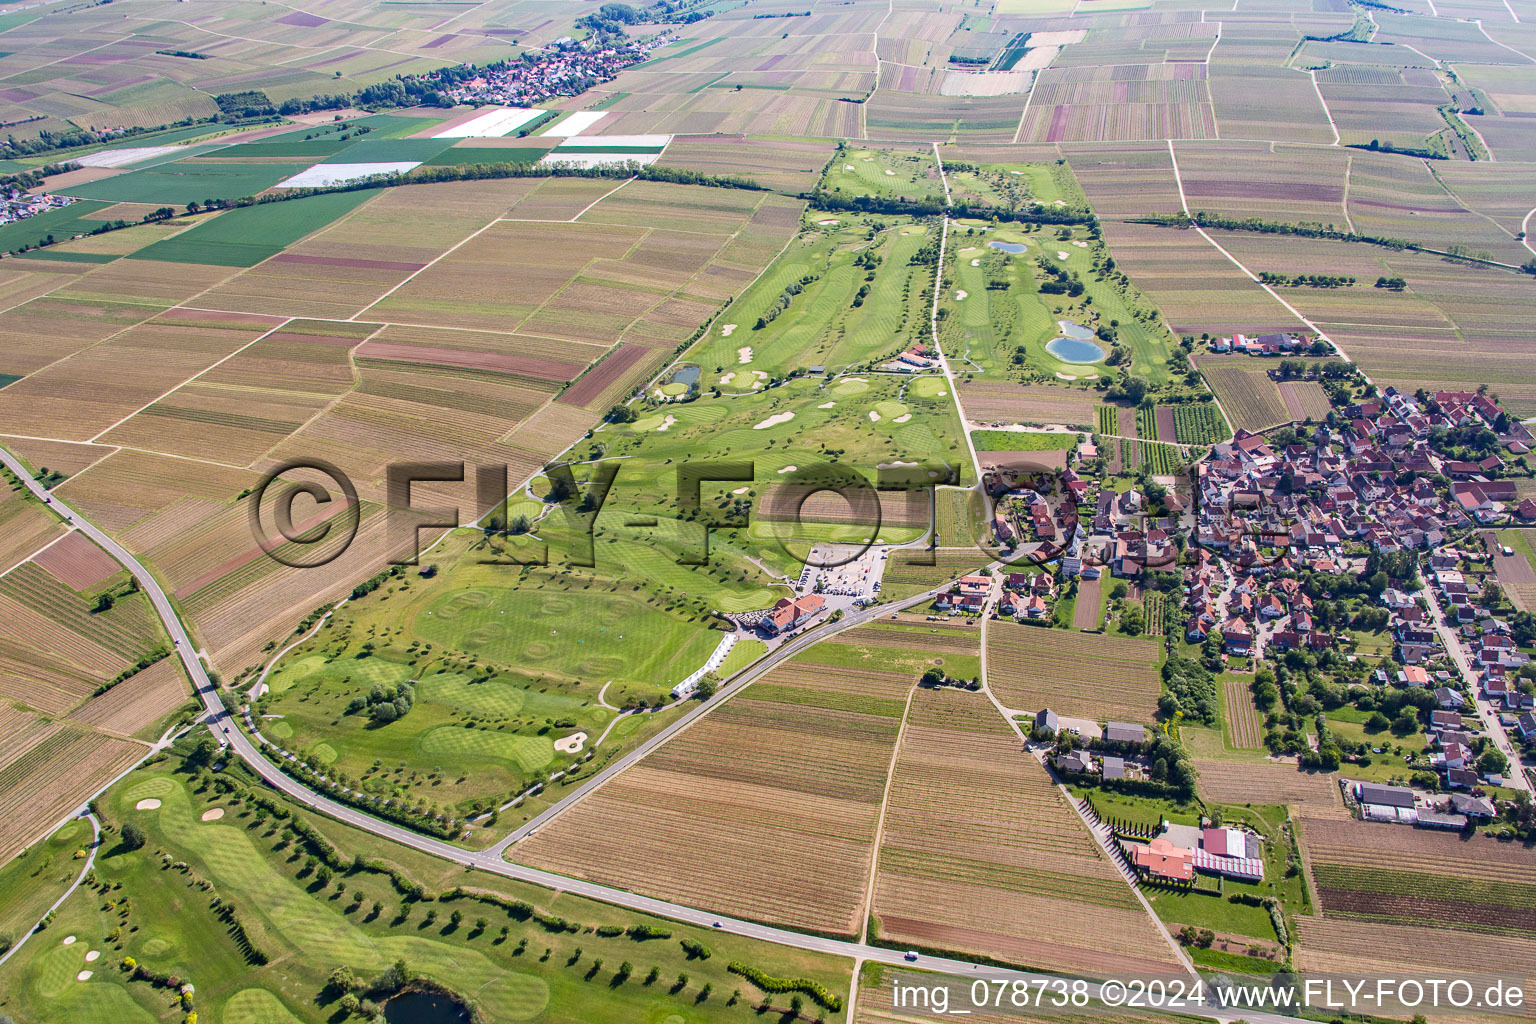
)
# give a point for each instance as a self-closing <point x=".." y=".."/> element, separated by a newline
<point x="840" y="296"/>
<point x="64" y="222"/>
<point x="158" y="905"/>
<point x="464" y="156"/>
<point x="245" y="236"/>
<point x="7" y="379"/>
<point x="884" y="172"/>
<point x="177" y="184"/>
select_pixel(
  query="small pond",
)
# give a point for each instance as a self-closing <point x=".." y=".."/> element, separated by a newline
<point x="685" y="375"/>
<point x="1075" y="344"/>
<point x="1013" y="247"/>
<point x="424" y="1008"/>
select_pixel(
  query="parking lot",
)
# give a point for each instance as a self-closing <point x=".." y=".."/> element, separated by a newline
<point x="846" y="585"/>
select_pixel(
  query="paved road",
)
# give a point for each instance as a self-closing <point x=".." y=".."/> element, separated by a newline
<point x="1486" y="711"/>
<point x="219" y="720"/>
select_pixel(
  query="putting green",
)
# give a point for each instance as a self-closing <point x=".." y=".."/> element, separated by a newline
<point x="323" y="753"/>
<point x="278" y="729"/>
<point x="529" y="753"/>
<point x="648" y="422"/>
<point x="930" y="387"/>
<point x="257" y="1006"/>
<point x="890" y="410"/>
<point x="674" y="389"/>
<point x="148" y="788"/>
<point x="850" y="386"/>
<point x="299" y="670"/>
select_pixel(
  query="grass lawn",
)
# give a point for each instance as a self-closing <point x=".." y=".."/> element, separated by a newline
<point x="1214" y="912"/>
<point x="1021" y="441"/>
<point x="31" y="882"/>
<point x="245" y="236"/>
<point x="1017" y="185"/>
<point x="161" y="916"/>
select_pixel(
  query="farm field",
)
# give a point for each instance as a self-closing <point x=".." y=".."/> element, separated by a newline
<point x="1403" y="879"/>
<point x="978" y="843"/>
<point x="1075" y="674"/>
<point x="1269" y="782"/>
<point x="1028" y="404"/>
<point x="1247" y="394"/>
<point x="817" y="812"/>
<point x="1244" y="725"/>
<point x="295" y="931"/>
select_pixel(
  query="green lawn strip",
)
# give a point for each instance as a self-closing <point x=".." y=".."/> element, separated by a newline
<point x="7" y="379"/>
<point x="1019" y="441"/>
<point x="679" y="53"/>
<point x="245" y="236"/>
<point x="177" y="184"/>
<point x="64" y="222"/>
<point x="712" y="81"/>
<point x="466" y="155"/>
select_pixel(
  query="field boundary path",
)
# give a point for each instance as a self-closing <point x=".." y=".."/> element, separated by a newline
<point x="90" y="860"/>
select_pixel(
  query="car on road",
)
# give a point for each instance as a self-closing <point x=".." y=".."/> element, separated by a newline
<point x="909" y="955"/>
<point x="1506" y="550"/>
<point x="715" y="925"/>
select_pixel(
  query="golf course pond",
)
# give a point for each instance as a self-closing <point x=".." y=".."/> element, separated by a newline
<point x="1076" y="344"/>
<point x="1013" y="247"/>
<point x="424" y="1008"/>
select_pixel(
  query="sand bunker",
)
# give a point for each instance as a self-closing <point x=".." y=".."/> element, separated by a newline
<point x="849" y="167"/>
<point x="93" y="956"/>
<point x="960" y="293"/>
<point x="826" y="405"/>
<point x="69" y="940"/>
<point x="666" y="424"/>
<point x="826" y="223"/>
<point x="741" y="490"/>
<point x="891" y="173"/>
<point x="571" y="744"/>
<point x="83" y="976"/>
<point x="1062" y="255"/>
<point x="1065" y="376"/>
<point x="789" y="469"/>
<point x="874" y="417"/>
<point x="725" y="332"/>
<point x="148" y="804"/>
<point x="728" y="378"/>
<point x="904" y="417"/>
<point x="1081" y="245"/>
<point x="975" y="263"/>
<point x="744" y="354"/>
<point x="213" y="814"/>
<point x="774" y="420"/>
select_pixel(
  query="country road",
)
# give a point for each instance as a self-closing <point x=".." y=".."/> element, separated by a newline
<point x="219" y="721"/>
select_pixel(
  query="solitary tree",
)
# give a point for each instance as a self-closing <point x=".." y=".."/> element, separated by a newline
<point x="133" y="836"/>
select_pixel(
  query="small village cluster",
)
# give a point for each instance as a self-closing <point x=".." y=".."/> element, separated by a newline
<point x="565" y="68"/>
